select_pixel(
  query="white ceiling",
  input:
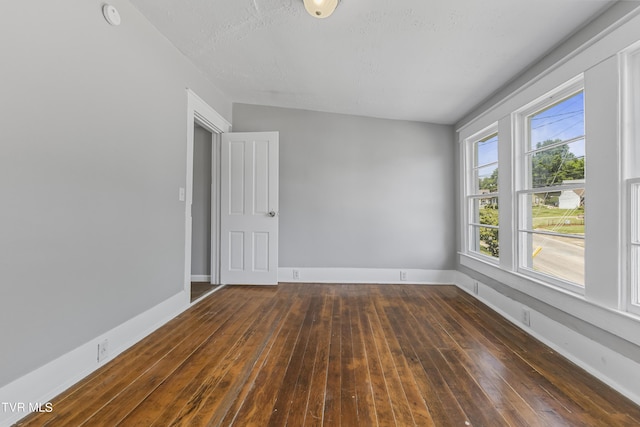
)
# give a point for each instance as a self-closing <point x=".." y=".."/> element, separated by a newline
<point x="424" y="60"/>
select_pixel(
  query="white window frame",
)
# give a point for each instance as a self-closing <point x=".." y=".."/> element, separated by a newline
<point x="524" y="188"/>
<point x="470" y="195"/>
<point x="630" y="162"/>
<point x="634" y="245"/>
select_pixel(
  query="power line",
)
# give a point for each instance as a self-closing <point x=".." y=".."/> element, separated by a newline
<point x="557" y="121"/>
<point x="557" y="115"/>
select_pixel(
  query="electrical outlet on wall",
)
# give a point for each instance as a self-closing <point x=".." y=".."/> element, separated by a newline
<point x="296" y="274"/>
<point x="403" y="275"/>
<point x="103" y="350"/>
<point x="526" y="317"/>
<point x="475" y="288"/>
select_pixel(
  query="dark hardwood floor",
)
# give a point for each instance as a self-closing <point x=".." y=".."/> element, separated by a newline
<point x="350" y="355"/>
<point x="199" y="289"/>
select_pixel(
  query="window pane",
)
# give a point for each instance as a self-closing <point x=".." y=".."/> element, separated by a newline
<point x="634" y="122"/>
<point x="487" y="150"/>
<point x="485" y="211"/>
<point x="560" y="122"/>
<point x="561" y="257"/>
<point x="557" y="212"/>
<point x="635" y="229"/>
<point x="487" y="179"/>
<point x="485" y="241"/>
<point x="557" y="165"/>
<point x="635" y="271"/>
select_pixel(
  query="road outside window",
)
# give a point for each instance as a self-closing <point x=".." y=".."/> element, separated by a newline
<point x="552" y="203"/>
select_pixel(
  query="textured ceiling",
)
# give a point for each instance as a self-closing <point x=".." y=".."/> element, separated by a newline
<point x="424" y="60"/>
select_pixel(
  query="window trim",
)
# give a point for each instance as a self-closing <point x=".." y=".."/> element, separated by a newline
<point x="469" y="185"/>
<point x="629" y="65"/>
<point x="633" y="251"/>
<point x="523" y="186"/>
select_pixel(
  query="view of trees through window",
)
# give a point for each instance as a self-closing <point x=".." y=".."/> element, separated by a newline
<point x="488" y="215"/>
<point x="556" y="165"/>
<point x="554" y="207"/>
<point x="484" y="212"/>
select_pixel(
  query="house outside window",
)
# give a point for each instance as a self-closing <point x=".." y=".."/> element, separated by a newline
<point x="551" y="199"/>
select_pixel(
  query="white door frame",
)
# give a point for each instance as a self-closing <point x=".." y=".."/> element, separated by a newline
<point x="198" y="111"/>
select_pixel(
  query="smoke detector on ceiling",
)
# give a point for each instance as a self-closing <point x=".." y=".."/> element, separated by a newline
<point x="111" y="15"/>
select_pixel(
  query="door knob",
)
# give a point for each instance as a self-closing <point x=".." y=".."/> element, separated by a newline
<point x="272" y="214"/>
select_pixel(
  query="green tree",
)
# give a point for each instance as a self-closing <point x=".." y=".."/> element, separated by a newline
<point x="555" y="165"/>
<point x="489" y="236"/>
<point x="490" y="183"/>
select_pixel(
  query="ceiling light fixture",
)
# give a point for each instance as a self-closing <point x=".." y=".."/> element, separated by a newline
<point x="320" y="8"/>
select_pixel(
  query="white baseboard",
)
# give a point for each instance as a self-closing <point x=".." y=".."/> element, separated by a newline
<point x="610" y="367"/>
<point x="39" y="386"/>
<point x="200" y="278"/>
<point x="366" y="275"/>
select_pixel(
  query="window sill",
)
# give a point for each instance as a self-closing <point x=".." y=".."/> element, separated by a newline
<point x="481" y="258"/>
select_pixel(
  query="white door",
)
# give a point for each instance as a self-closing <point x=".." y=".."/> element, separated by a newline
<point x="249" y="208"/>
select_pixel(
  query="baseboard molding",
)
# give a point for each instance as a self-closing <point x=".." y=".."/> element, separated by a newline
<point x="200" y="278"/>
<point x="612" y="368"/>
<point x="366" y="275"/>
<point x="35" y="389"/>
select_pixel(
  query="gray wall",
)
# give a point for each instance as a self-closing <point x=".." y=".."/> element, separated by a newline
<point x="201" y="206"/>
<point x="92" y="153"/>
<point x="360" y="192"/>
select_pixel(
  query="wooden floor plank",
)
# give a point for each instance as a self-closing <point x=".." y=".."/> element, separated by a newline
<point x="295" y="367"/>
<point x="442" y="403"/>
<point x="222" y="384"/>
<point x="316" y="396"/>
<point x="241" y="372"/>
<point x="497" y="356"/>
<point x="331" y="415"/>
<point x="348" y="388"/>
<point x="350" y="355"/>
<point x="365" y="404"/>
<point x="381" y="395"/>
<point x="256" y="400"/>
<point x="436" y="344"/>
<point x="183" y="356"/>
<point x="462" y="350"/>
<point x="147" y="352"/>
<point x="419" y="410"/>
<point x="297" y="411"/>
<point x="526" y="353"/>
<point x="116" y="379"/>
<point x="505" y="384"/>
<point x="400" y="405"/>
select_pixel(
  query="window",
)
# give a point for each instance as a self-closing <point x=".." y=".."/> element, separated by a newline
<point x="482" y="194"/>
<point x="551" y="199"/>
<point x="631" y="168"/>
<point x="634" y="242"/>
